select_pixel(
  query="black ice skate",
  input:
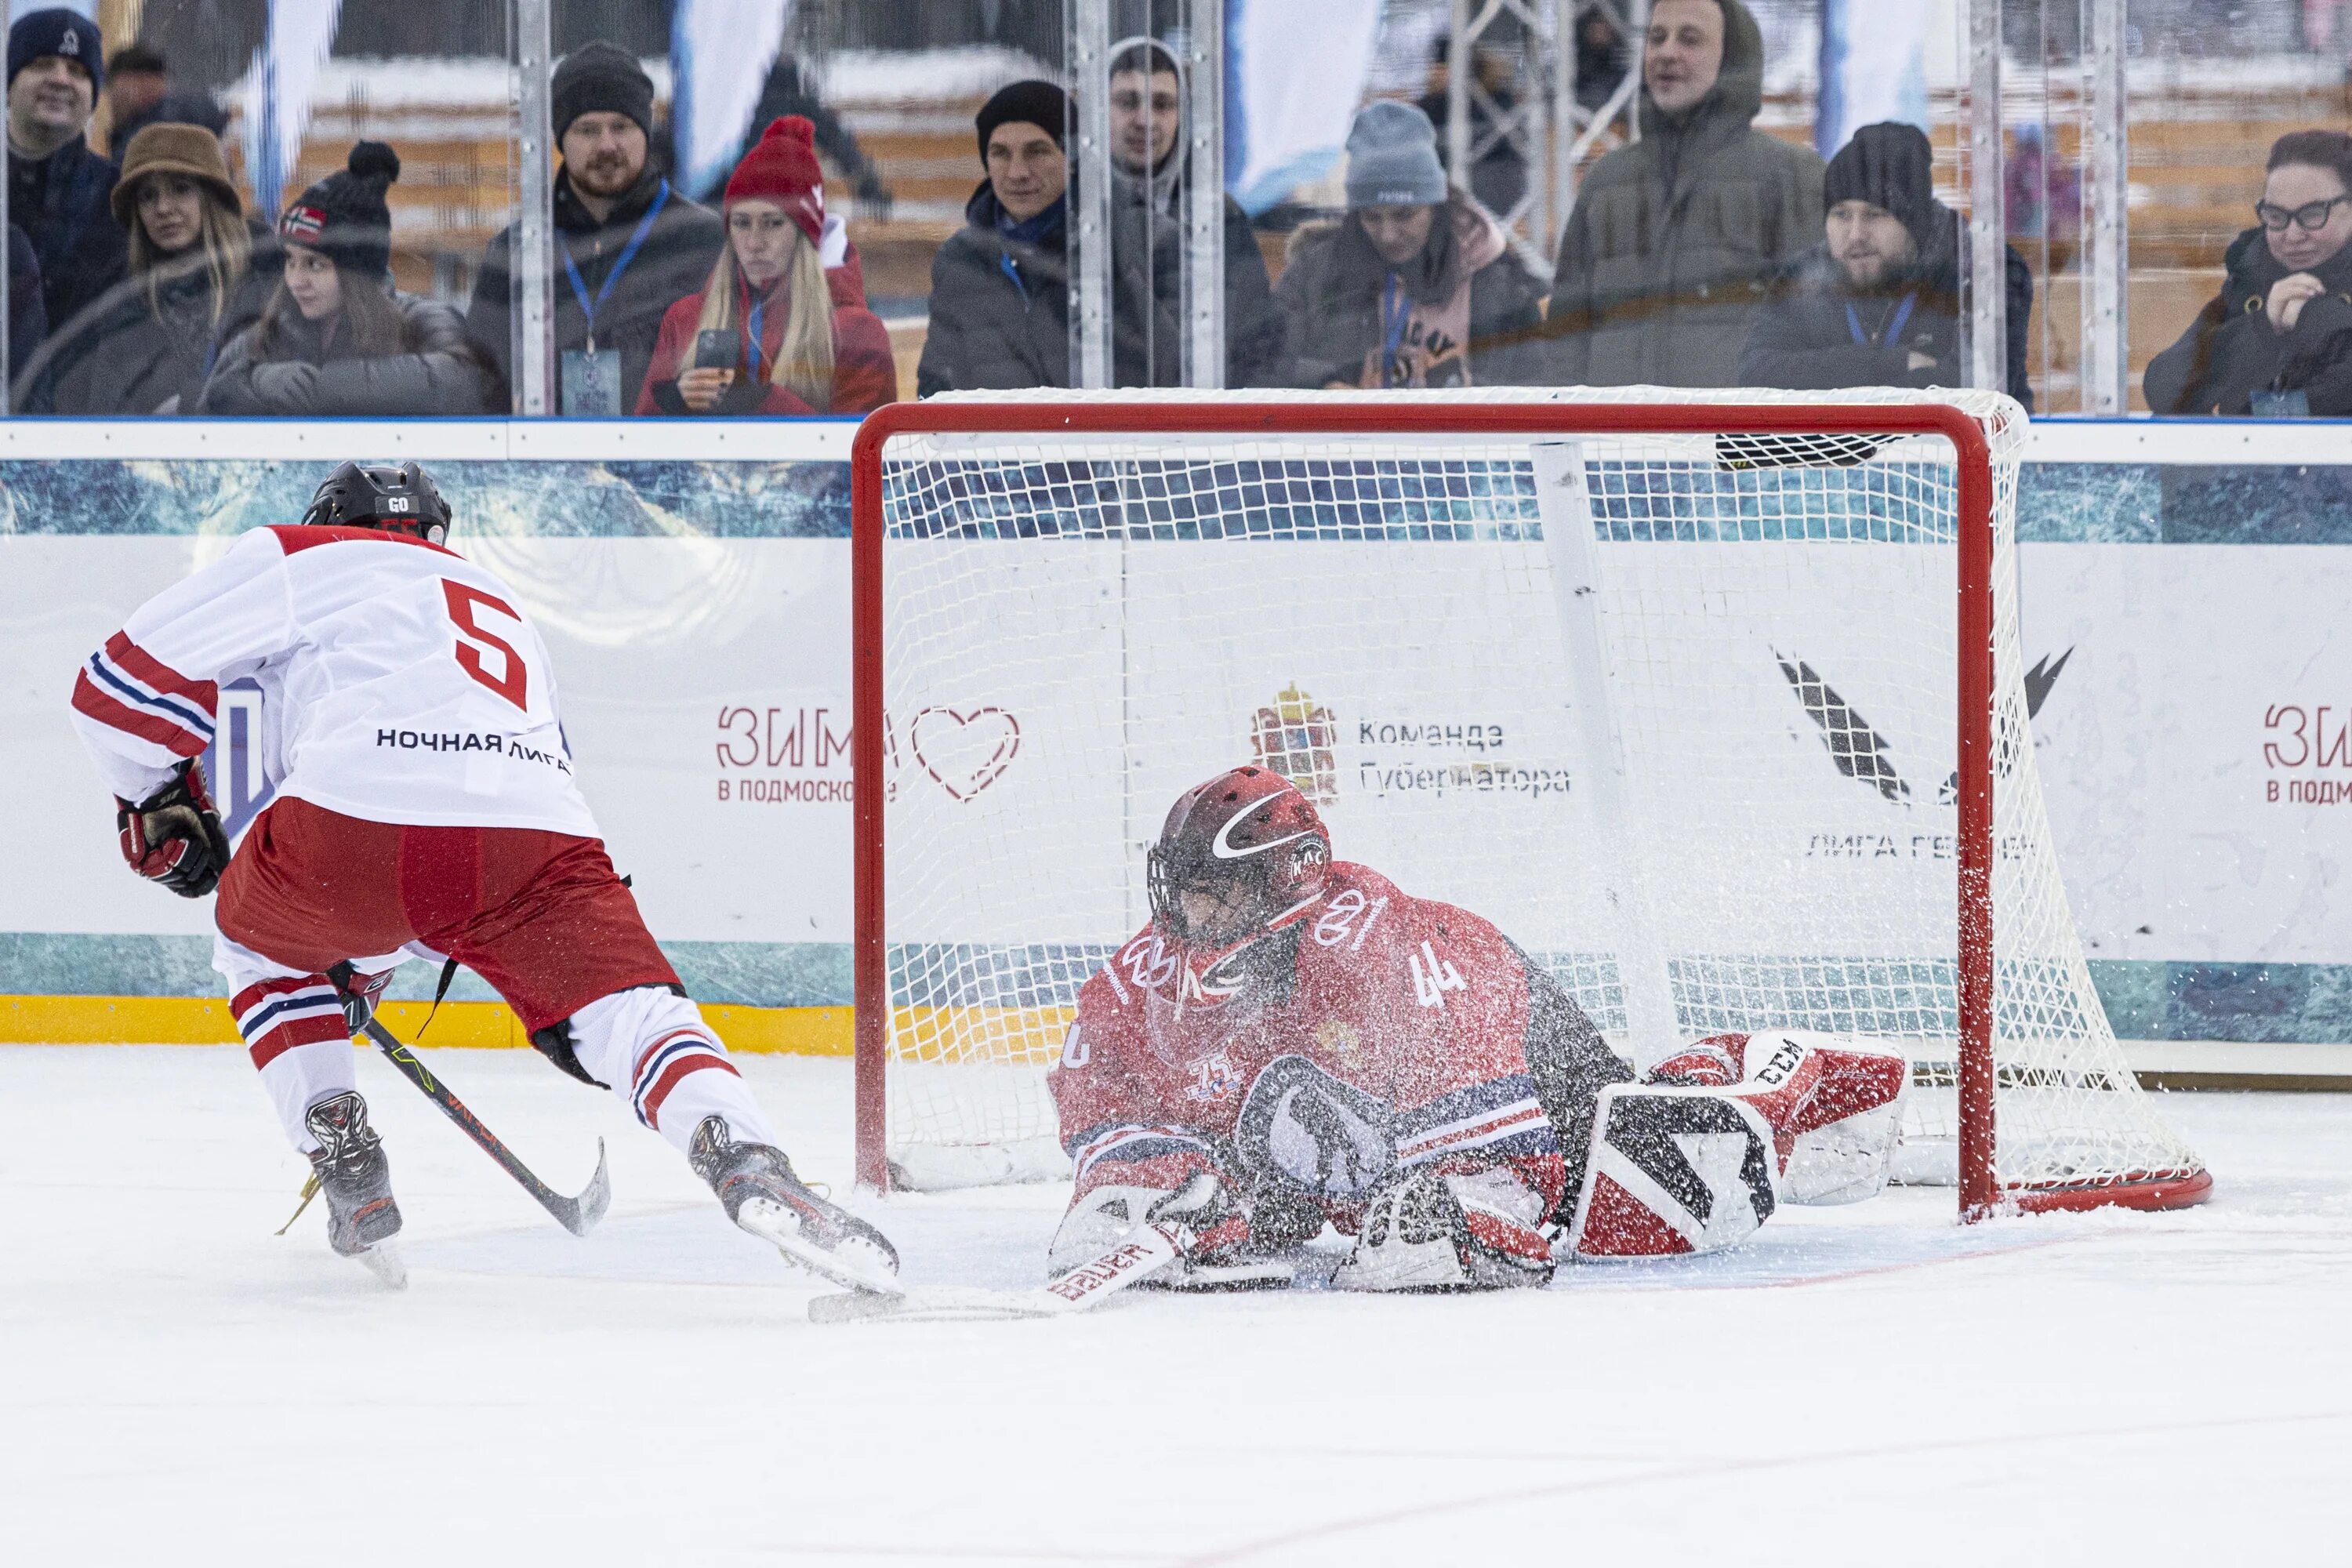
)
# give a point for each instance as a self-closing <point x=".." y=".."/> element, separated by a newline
<point x="756" y="1185"/>
<point x="356" y="1177"/>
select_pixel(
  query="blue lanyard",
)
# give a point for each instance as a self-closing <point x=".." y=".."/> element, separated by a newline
<point x="1395" y="312"/>
<point x="752" y="326"/>
<point x="620" y="265"/>
<point x="1894" y="327"/>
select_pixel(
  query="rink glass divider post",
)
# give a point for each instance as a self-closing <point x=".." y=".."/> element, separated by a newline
<point x="2106" y="219"/>
<point x="1204" y="196"/>
<point x="1086" y="29"/>
<point x="530" y="258"/>
<point x="1979" y="1183"/>
<point x="1987" y="273"/>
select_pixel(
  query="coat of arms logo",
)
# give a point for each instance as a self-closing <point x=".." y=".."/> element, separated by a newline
<point x="1295" y="738"/>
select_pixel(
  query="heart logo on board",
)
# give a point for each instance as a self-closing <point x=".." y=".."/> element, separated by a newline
<point x="965" y="753"/>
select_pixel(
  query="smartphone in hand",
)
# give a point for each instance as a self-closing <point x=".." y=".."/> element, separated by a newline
<point x="715" y="349"/>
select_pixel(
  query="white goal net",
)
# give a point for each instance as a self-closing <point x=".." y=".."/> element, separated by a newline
<point x="1679" y="712"/>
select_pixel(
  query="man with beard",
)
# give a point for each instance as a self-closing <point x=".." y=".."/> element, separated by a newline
<point x="1879" y="303"/>
<point x="629" y="245"/>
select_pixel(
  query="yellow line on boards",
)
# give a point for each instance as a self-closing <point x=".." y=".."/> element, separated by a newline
<point x="206" y="1021"/>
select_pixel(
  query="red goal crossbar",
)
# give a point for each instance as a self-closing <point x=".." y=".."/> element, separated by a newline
<point x="1980" y="1189"/>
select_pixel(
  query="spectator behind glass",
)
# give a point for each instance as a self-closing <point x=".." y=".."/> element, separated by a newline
<point x="1600" y="57"/>
<point x="628" y="246"/>
<point x="999" y="285"/>
<point x="1149" y="212"/>
<point x="1879" y="304"/>
<point x="1673" y="240"/>
<point x="1498" y="177"/>
<point x="2277" y="339"/>
<point x="1414" y="286"/>
<point x="139" y="93"/>
<point x="149" y="346"/>
<point x="136" y="81"/>
<point x="58" y="189"/>
<point x="787" y="296"/>
<point x="335" y="337"/>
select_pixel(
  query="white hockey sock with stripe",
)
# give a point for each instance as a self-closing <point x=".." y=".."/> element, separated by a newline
<point x="293" y="1029"/>
<point x="652" y="1045"/>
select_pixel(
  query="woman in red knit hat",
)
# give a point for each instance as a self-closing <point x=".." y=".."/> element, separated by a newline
<point x="782" y="327"/>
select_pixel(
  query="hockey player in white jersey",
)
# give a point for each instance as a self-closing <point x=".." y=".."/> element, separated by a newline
<point x="424" y="802"/>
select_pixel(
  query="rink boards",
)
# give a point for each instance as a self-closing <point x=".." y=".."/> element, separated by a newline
<point x="2191" y="729"/>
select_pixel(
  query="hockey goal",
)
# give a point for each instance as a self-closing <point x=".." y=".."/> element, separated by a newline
<point x="1713" y="701"/>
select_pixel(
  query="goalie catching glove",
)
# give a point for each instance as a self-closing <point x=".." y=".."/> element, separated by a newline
<point x="174" y="835"/>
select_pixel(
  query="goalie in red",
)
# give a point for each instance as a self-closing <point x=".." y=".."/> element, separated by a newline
<point x="1294" y="1039"/>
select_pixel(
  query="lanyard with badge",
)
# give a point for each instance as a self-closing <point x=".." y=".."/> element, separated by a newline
<point x="1894" y="329"/>
<point x="591" y="376"/>
<point x="1396" y="312"/>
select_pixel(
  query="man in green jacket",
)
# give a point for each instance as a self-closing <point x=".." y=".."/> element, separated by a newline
<point x="1674" y="240"/>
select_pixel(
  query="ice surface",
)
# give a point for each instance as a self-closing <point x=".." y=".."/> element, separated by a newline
<point x="1872" y="1384"/>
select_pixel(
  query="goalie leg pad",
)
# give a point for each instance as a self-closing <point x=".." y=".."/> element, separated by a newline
<point x="1835" y="1109"/>
<point x="1674" y="1171"/>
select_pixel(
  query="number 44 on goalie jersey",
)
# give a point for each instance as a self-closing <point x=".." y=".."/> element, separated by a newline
<point x="400" y="683"/>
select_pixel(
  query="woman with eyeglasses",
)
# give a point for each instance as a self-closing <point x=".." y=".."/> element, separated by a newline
<point x="2276" y="343"/>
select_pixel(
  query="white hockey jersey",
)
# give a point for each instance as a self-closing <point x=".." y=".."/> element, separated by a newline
<point x="400" y="683"/>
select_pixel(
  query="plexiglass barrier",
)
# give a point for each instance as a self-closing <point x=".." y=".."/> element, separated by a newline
<point x="589" y="219"/>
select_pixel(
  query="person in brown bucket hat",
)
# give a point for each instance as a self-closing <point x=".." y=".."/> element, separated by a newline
<point x="199" y="273"/>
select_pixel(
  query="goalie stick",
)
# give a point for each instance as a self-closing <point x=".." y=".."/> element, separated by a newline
<point x="1143" y="1253"/>
<point x="579" y="1216"/>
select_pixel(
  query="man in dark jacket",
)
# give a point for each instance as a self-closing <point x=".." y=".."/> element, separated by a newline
<point x="1879" y="304"/>
<point x="1001" y="285"/>
<point x="629" y="245"/>
<point x="58" y="189"/>
<point x="1416" y="286"/>
<point x="1673" y="240"/>
<point x="1149" y="215"/>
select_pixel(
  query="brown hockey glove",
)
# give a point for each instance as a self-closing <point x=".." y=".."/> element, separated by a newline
<point x="174" y="835"/>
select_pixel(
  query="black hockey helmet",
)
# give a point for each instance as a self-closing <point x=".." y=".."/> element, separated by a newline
<point x="1249" y="848"/>
<point x="397" y="496"/>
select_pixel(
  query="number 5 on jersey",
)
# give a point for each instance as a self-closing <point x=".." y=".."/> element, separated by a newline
<point x="513" y="681"/>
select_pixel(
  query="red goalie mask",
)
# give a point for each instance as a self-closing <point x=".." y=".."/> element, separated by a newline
<point x="1240" y="858"/>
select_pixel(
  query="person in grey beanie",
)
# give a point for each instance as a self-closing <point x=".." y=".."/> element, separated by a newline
<point x="627" y="244"/>
<point x="60" y="191"/>
<point x="1414" y="286"/>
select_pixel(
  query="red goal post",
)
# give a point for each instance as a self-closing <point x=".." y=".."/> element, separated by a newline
<point x="1980" y="1190"/>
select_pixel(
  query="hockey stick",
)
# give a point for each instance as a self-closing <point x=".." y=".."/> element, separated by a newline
<point x="1148" y="1249"/>
<point x="579" y="1216"/>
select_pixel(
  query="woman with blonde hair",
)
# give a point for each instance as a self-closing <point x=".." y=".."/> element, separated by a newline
<point x="199" y="272"/>
<point x="336" y="337"/>
<point x="782" y="327"/>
